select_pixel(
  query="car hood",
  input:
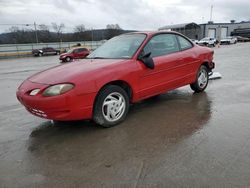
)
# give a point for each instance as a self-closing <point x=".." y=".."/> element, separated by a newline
<point x="71" y="71"/>
<point x="36" y="50"/>
<point x="63" y="54"/>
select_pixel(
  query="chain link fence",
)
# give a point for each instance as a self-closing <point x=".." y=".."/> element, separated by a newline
<point x="19" y="50"/>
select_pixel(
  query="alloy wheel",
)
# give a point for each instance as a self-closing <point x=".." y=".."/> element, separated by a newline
<point x="113" y="107"/>
<point x="202" y="78"/>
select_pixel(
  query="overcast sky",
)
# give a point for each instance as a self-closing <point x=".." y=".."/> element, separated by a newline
<point x="129" y="14"/>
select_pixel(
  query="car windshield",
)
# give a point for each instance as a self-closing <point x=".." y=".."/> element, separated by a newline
<point x="120" y="47"/>
<point x="70" y="51"/>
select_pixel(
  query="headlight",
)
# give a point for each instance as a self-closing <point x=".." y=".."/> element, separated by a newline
<point x="57" y="89"/>
<point x="34" y="92"/>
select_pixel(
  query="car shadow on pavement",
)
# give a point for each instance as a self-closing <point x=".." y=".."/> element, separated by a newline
<point x="50" y="127"/>
<point x="177" y="114"/>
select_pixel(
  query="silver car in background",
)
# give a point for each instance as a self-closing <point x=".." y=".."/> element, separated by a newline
<point x="228" y="40"/>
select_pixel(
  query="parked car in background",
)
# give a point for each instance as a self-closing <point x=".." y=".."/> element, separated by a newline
<point x="74" y="53"/>
<point x="208" y="41"/>
<point x="228" y="40"/>
<point x="45" y="51"/>
<point x="242" y="39"/>
<point x="126" y="69"/>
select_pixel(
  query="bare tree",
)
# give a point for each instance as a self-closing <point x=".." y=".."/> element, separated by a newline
<point x="58" y="29"/>
<point x="113" y="30"/>
<point x="14" y="29"/>
<point x="113" y="26"/>
<point x="80" y="28"/>
<point x="44" y="33"/>
<point x="117" y="27"/>
<point x="79" y="33"/>
<point x="43" y="27"/>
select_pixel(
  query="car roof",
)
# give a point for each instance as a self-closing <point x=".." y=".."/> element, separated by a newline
<point x="74" y="48"/>
<point x="150" y="33"/>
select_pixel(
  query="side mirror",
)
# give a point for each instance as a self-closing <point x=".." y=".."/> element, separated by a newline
<point x="147" y="60"/>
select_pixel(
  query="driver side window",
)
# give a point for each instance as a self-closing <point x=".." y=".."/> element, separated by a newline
<point x="162" y="44"/>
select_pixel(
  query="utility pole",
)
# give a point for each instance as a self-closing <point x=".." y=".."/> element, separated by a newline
<point x="92" y="36"/>
<point x="211" y="12"/>
<point x="36" y="32"/>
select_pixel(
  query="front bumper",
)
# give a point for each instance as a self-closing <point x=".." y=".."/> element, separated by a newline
<point x="62" y="58"/>
<point x="65" y="107"/>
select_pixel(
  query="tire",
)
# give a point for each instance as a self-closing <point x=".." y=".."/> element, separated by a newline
<point x="40" y="54"/>
<point x="201" y="80"/>
<point x="111" y="106"/>
<point x="68" y="59"/>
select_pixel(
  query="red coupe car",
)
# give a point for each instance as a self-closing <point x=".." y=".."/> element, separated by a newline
<point x="124" y="70"/>
<point x="75" y="53"/>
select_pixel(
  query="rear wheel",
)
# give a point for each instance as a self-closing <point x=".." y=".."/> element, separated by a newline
<point x="111" y="106"/>
<point x="201" y="80"/>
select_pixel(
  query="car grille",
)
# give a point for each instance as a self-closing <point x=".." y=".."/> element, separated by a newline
<point x="37" y="112"/>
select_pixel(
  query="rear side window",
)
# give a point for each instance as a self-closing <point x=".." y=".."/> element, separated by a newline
<point x="162" y="44"/>
<point x="184" y="43"/>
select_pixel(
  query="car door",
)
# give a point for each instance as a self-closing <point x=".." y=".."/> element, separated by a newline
<point x="163" y="49"/>
<point x="85" y="52"/>
<point x="81" y="52"/>
<point x="50" y="51"/>
<point x="190" y="61"/>
<point x="45" y="51"/>
<point x="76" y="53"/>
<point x="171" y="65"/>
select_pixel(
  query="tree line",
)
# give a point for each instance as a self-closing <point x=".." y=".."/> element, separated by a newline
<point x="55" y="33"/>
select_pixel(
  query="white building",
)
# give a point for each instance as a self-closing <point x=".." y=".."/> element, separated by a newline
<point x="210" y="29"/>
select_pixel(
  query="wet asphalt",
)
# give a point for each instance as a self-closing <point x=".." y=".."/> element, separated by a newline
<point x="179" y="139"/>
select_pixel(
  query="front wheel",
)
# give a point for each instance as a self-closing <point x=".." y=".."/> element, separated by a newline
<point x="201" y="80"/>
<point x="68" y="59"/>
<point x="111" y="106"/>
